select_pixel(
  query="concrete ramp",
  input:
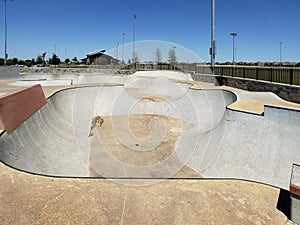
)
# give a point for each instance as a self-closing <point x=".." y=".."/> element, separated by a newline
<point x="257" y="148"/>
<point x="153" y="128"/>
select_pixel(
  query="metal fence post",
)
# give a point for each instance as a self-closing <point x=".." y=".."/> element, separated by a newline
<point x="256" y="73"/>
<point x="271" y="73"/>
<point x="291" y="76"/>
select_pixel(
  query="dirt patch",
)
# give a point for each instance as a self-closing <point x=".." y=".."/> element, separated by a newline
<point x="139" y="141"/>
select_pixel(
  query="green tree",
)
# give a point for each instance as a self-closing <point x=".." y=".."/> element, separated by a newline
<point x="172" y="56"/>
<point x="15" y="61"/>
<point x="67" y="60"/>
<point x="55" y="60"/>
<point x="75" y="60"/>
<point x="9" y="62"/>
<point x="21" y="62"/>
<point x="158" y="55"/>
<point x="39" y="60"/>
<point x="28" y="63"/>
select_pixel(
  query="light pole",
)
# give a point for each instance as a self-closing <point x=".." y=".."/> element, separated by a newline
<point x="233" y="34"/>
<point x="123" y="49"/>
<point x="5" y="33"/>
<point x="117" y="51"/>
<point x="212" y="50"/>
<point x="280" y="52"/>
<point x="133" y="40"/>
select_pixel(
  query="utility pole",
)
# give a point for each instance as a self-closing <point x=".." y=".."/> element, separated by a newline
<point x="212" y="50"/>
<point x="280" y="52"/>
<point x="133" y="40"/>
<point x="123" y="49"/>
<point x="233" y="34"/>
<point x="5" y="33"/>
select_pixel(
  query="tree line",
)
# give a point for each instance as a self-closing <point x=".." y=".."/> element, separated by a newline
<point x="55" y="60"/>
<point x="157" y="57"/>
<point x="38" y="61"/>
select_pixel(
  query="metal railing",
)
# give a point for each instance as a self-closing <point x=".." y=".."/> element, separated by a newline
<point x="272" y="74"/>
<point x="285" y="75"/>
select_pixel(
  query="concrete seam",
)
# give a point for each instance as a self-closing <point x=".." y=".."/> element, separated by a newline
<point x="124" y="206"/>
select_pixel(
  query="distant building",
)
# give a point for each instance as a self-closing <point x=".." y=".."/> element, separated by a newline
<point x="100" y="58"/>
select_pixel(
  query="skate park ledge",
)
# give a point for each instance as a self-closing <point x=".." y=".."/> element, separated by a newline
<point x="18" y="106"/>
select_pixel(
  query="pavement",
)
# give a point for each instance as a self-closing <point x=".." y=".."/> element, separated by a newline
<point x="153" y="136"/>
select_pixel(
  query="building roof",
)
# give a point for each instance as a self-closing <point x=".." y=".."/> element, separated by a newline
<point x="96" y="53"/>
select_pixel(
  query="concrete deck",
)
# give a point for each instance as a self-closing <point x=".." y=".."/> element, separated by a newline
<point x="33" y="199"/>
<point x="29" y="199"/>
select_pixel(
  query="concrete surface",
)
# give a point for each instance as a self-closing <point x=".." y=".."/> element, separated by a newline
<point x="9" y="72"/>
<point x="177" y="119"/>
<point x="55" y="141"/>
<point x="295" y="208"/>
<point x="29" y="199"/>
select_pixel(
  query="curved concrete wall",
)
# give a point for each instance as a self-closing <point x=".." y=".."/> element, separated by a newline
<point x="223" y="143"/>
<point x="258" y="148"/>
<point x="55" y="140"/>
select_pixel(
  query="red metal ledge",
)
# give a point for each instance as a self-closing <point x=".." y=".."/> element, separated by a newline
<point x="294" y="189"/>
<point x="17" y="107"/>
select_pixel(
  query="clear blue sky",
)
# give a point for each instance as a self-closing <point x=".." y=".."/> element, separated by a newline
<point x="77" y="27"/>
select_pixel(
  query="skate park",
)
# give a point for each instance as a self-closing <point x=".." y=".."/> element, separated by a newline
<point x="150" y="132"/>
<point x="117" y="139"/>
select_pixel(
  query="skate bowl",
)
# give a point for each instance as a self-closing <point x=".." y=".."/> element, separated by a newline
<point x="149" y="127"/>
